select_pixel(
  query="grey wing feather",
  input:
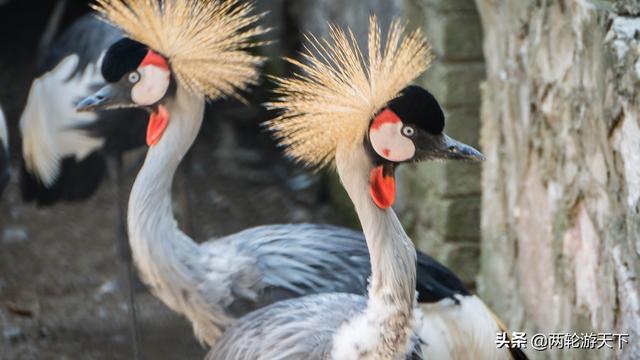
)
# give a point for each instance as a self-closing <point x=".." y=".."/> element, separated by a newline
<point x="302" y="259"/>
<point x="301" y="328"/>
<point x="285" y="261"/>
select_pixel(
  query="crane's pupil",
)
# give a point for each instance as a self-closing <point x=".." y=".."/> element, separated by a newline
<point x="407" y="131"/>
<point x="134" y="77"/>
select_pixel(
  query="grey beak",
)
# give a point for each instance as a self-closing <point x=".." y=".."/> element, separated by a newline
<point x="456" y="150"/>
<point x="90" y="103"/>
<point x="109" y="97"/>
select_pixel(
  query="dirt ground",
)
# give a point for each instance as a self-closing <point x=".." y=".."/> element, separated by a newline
<point x="60" y="296"/>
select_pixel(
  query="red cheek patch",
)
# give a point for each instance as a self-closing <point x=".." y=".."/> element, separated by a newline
<point x="385" y="117"/>
<point x="158" y="122"/>
<point x="382" y="188"/>
<point x="155" y="59"/>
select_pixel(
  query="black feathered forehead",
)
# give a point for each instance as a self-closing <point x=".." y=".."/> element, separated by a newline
<point x="415" y="105"/>
<point x="122" y="57"/>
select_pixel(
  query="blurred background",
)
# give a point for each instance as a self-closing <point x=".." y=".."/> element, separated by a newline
<point x="547" y="230"/>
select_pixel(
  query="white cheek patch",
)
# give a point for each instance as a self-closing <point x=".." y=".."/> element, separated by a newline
<point x="152" y="87"/>
<point x="387" y="141"/>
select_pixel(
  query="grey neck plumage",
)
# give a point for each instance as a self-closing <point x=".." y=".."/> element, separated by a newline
<point x="393" y="256"/>
<point x="168" y="260"/>
<point x="158" y="246"/>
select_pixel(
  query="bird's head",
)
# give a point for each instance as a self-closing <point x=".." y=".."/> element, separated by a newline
<point x="197" y="46"/>
<point x="408" y="129"/>
<point x="136" y="76"/>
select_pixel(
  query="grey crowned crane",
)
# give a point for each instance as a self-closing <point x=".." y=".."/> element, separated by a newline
<point x="4" y="153"/>
<point x="178" y="54"/>
<point x="66" y="154"/>
<point x="361" y="115"/>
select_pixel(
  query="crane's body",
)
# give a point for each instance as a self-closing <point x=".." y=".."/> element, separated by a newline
<point x="301" y="328"/>
<point x="377" y="326"/>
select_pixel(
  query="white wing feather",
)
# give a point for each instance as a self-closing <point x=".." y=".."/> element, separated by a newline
<point x="49" y="122"/>
<point x="453" y="331"/>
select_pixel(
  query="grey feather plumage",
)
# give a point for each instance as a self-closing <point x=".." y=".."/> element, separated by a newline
<point x="300" y="328"/>
<point x="305" y="257"/>
<point x="254" y="268"/>
<point x="276" y="262"/>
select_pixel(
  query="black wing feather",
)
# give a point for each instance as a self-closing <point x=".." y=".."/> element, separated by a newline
<point x="436" y="282"/>
<point x="77" y="181"/>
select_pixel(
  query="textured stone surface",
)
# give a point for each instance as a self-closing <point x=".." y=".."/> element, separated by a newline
<point x="463" y="123"/>
<point x="456" y="6"/>
<point x="454" y="36"/>
<point x="455" y="84"/>
<point x="561" y="184"/>
<point x="314" y="16"/>
<point x="457" y="219"/>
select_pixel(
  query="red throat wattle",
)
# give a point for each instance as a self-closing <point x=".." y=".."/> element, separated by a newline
<point x="382" y="188"/>
<point x="158" y="122"/>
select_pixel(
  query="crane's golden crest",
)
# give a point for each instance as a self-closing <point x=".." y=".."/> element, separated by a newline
<point x="338" y="90"/>
<point x="205" y="41"/>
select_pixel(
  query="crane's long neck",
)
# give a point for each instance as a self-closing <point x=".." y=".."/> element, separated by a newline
<point x="393" y="256"/>
<point x="164" y="255"/>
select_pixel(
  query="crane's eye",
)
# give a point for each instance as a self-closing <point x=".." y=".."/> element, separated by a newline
<point x="408" y="131"/>
<point x="134" y="77"/>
